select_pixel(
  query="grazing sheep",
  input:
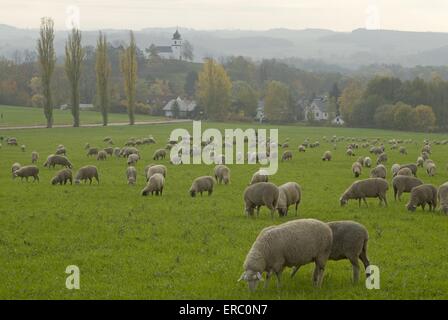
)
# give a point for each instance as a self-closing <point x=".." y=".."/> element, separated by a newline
<point x="285" y="145"/>
<point x="259" y="194"/>
<point x="126" y="151"/>
<point x="367" y="162"/>
<point x="368" y="188"/>
<point x="403" y="150"/>
<point x="92" y="152"/>
<point x="350" y="152"/>
<point x="34" y="157"/>
<point x="117" y="151"/>
<point x="420" y="161"/>
<point x="302" y="148"/>
<point x="26" y="172"/>
<point x="430" y="168"/>
<point x="202" y="184"/>
<point x="155" y="185"/>
<point x="394" y="169"/>
<point x="404" y="172"/>
<point x="356" y="169"/>
<point x="15" y="166"/>
<point x="326" y="156"/>
<point x="102" y="155"/>
<point x="222" y="174"/>
<point x="422" y="195"/>
<point x="382" y="158"/>
<point x="378" y="172"/>
<point x="87" y="173"/>
<point x="159" y="154"/>
<point x="291" y="244"/>
<point x="152" y="169"/>
<point x="442" y="196"/>
<point x="411" y="166"/>
<point x="11" y="141"/>
<point x="133" y="159"/>
<point x="287" y="155"/>
<point x="62" y="176"/>
<point x="289" y="193"/>
<point x="259" y="177"/>
<point x="109" y="150"/>
<point x="403" y="184"/>
<point x="131" y="175"/>
<point x="23" y="148"/>
<point x="61" y="150"/>
<point x="54" y="159"/>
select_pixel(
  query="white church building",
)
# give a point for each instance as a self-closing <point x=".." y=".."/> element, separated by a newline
<point x="174" y="51"/>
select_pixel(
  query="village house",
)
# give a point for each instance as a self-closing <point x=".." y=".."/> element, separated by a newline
<point x="179" y="108"/>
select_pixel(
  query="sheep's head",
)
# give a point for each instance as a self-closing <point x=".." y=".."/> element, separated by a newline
<point x="192" y="193"/>
<point x="343" y="201"/>
<point x="282" y="212"/>
<point x="411" y="207"/>
<point x="55" y="180"/>
<point x="252" y="278"/>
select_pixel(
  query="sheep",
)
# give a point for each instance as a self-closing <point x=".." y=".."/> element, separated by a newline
<point x="61" y="150"/>
<point x="378" y="172"/>
<point x="11" y="141"/>
<point x="430" y="168"/>
<point x="259" y="194"/>
<point x="117" y="151"/>
<point x="403" y="183"/>
<point x="367" y="162"/>
<point x="62" y="176"/>
<point x="34" y="157"/>
<point x="368" y="188"/>
<point x="155" y="185"/>
<point x="285" y="145"/>
<point x="422" y="195"/>
<point x="394" y="169"/>
<point x="302" y="148"/>
<point x="23" y="148"/>
<point x="403" y="151"/>
<point x="360" y="160"/>
<point x="411" y="166"/>
<point x="87" y="172"/>
<point x="26" y="172"/>
<point x="92" y="152"/>
<point x="404" y="172"/>
<point x="420" y="161"/>
<point x="133" y="159"/>
<point x="326" y="156"/>
<point x="291" y="244"/>
<point x="126" y="151"/>
<point x="442" y="196"/>
<point x="131" y="175"/>
<point x="289" y="193"/>
<point x="102" y="155"/>
<point x="54" y="159"/>
<point x="287" y="155"/>
<point x="159" y="154"/>
<point x="425" y="155"/>
<point x="222" y="174"/>
<point x="350" y="152"/>
<point x="109" y="150"/>
<point x="152" y="169"/>
<point x="202" y="184"/>
<point x="15" y="166"/>
<point x="382" y="158"/>
<point x="356" y="169"/>
<point x="259" y="177"/>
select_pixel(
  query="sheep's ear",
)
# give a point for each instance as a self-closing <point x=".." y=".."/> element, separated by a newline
<point x="243" y="277"/>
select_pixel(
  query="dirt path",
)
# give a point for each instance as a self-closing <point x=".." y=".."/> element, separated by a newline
<point x="137" y="123"/>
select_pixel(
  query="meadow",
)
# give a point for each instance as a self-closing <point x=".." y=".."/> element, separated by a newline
<point x="25" y="116"/>
<point x="177" y="247"/>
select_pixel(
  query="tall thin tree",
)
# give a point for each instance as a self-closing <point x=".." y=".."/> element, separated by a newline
<point x="74" y="54"/>
<point x="128" y="63"/>
<point x="47" y="60"/>
<point x="103" y="69"/>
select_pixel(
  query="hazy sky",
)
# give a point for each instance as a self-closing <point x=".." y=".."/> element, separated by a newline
<point x="341" y="15"/>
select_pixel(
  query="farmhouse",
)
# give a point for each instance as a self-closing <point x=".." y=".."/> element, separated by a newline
<point x="179" y="108"/>
<point x="317" y="110"/>
<point x="174" y="51"/>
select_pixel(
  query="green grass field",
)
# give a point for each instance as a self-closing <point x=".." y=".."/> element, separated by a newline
<point x="178" y="247"/>
<point x="23" y="116"/>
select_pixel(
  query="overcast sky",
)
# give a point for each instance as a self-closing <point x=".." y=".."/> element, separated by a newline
<point x="340" y="15"/>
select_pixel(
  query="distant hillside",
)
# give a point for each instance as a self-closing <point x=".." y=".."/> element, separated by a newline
<point x="345" y="50"/>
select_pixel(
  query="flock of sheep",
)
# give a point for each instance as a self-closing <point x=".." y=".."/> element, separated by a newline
<point x="294" y="243"/>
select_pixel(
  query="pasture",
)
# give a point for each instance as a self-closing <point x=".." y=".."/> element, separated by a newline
<point x="178" y="247"/>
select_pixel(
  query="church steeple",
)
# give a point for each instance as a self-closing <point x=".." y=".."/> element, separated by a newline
<point x="176" y="45"/>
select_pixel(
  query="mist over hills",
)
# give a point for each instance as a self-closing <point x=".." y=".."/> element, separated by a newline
<point x="337" y="50"/>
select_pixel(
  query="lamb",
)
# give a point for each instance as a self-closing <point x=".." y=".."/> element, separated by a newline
<point x="356" y="169"/>
<point x="15" y="166"/>
<point x="382" y="158"/>
<point x="442" y="196"/>
<point x="102" y="155"/>
<point x="259" y="194"/>
<point x="131" y="174"/>
<point x="291" y="244"/>
<point x="87" y="173"/>
<point x="159" y="154"/>
<point x="367" y="162"/>
<point x="289" y="193"/>
<point x="368" y="188"/>
<point x="422" y="195"/>
<point x="287" y="155"/>
<point x="133" y="159"/>
<point x="259" y="177"/>
<point x="222" y="174"/>
<point x="326" y="156"/>
<point x="411" y="166"/>
<point x="152" y="169"/>
<point x="403" y="183"/>
<point x="202" y="184"/>
<point x="394" y="169"/>
<point x="378" y="172"/>
<point x="92" y="152"/>
<point x="62" y="177"/>
<point x="34" y="157"/>
<point x="26" y="172"/>
<point x="155" y="185"/>
<point x="54" y="159"/>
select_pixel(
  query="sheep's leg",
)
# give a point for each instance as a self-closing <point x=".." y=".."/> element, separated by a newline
<point x="297" y="205"/>
<point x="294" y="270"/>
<point x="359" y="202"/>
<point x="365" y="201"/>
<point x="268" y="277"/>
<point x="423" y="206"/>
<point x="355" y="266"/>
<point x="384" y="199"/>
<point x="279" y="278"/>
<point x="318" y="272"/>
<point x="258" y="210"/>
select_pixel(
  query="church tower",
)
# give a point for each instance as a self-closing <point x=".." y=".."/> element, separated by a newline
<point x="176" y="45"/>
